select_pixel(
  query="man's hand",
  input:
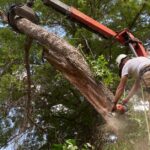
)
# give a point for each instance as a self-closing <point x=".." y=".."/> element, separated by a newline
<point x="125" y="101"/>
<point x="114" y="107"/>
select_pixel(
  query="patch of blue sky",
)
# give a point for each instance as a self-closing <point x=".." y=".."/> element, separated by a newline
<point x="146" y="19"/>
<point x="3" y="25"/>
<point x="58" y="30"/>
<point x="13" y="145"/>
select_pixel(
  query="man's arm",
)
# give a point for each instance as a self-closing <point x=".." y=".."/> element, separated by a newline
<point x="120" y="88"/>
<point x="134" y="88"/>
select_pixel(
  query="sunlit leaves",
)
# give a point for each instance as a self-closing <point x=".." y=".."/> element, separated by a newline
<point x="101" y="70"/>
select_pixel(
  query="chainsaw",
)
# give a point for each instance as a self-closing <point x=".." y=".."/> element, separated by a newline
<point x="121" y="108"/>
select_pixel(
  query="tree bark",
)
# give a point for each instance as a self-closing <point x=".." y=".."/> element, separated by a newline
<point x="69" y="61"/>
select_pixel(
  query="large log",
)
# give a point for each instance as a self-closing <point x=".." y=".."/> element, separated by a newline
<point x="72" y="64"/>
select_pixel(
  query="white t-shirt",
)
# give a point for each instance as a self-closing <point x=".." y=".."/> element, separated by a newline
<point x="133" y="66"/>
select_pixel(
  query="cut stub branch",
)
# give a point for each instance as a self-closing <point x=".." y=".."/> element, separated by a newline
<point x="3" y="16"/>
<point x="69" y="61"/>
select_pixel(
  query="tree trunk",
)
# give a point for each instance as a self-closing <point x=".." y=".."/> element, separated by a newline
<point x="69" y="61"/>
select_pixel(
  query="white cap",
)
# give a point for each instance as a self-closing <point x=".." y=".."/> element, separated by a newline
<point x="119" y="58"/>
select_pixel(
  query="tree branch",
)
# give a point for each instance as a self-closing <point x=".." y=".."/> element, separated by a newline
<point x="71" y="63"/>
<point x="132" y="24"/>
<point x="3" y="16"/>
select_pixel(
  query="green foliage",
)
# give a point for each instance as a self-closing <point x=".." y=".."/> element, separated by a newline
<point x="101" y="71"/>
<point x="6" y="4"/>
<point x="68" y="145"/>
<point x="71" y="145"/>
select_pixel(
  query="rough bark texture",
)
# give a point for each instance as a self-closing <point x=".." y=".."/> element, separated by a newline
<point x="72" y="64"/>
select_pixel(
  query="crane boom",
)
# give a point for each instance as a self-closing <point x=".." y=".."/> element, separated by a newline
<point x="125" y="37"/>
<point x="81" y="18"/>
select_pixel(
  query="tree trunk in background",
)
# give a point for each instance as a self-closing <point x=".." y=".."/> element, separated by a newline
<point x="69" y="61"/>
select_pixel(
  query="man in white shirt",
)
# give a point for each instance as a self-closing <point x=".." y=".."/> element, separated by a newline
<point x="137" y="68"/>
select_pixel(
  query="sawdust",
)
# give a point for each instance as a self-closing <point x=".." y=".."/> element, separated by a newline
<point x="141" y="144"/>
<point x="117" y="123"/>
<point x="124" y="125"/>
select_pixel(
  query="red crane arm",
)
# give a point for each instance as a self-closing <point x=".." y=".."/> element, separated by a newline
<point x="91" y="23"/>
<point x="125" y="37"/>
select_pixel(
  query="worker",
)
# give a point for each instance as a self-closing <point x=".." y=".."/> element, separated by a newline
<point x="137" y="68"/>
